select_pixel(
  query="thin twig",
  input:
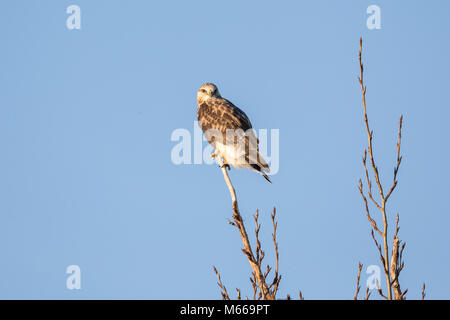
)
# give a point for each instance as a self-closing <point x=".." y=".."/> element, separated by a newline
<point x="224" y="292"/>
<point x="371" y="220"/>
<point x="276" y="278"/>
<point x="399" y="158"/>
<point x="360" y="266"/>
<point x="367" y="294"/>
<point x="300" y="295"/>
<point x="380" y="291"/>
<point x="423" y="291"/>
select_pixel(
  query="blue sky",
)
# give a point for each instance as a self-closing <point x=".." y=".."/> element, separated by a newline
<point x="86" y="116"/>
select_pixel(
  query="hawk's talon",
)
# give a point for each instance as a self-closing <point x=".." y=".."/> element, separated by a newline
<point x="226" y="165"/>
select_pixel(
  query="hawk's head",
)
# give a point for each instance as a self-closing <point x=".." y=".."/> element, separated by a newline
<point x="207" y="91"/>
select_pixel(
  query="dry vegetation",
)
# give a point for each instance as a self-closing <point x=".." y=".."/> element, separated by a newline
<point x="392" y="262"/>
<point x="262" y="288"/>
<point x="391" y="258"/>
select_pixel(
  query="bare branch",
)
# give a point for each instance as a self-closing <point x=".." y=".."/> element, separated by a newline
<point x="367" y="294"/>
<point x="395" y="269"/>
<point x="369" y="183"/>
<point x="396" y="262"/>
<point x="360" y="266"/>
<point x="381" y="205"/>
<point x="372" y="221"/>
<point x="239" y="223"/>
<point x="423" y="291"/>
<point x="399" y="158"/>
<point x="300" y="295"/>
<point x="366" y="121"/>
<point x="267" y="292"/>
<point x="223" y="292"/>
<point x="276" y="278"/>
<point x="254" y="285"/>
<point x="380" y="291"/>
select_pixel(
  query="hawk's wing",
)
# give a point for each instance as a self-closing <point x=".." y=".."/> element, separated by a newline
<point x="220" y="114"/>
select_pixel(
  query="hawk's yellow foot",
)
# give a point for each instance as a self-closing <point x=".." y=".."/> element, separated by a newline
<point x="213" y="155"/>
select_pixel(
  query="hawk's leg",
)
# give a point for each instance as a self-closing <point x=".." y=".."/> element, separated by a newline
<point x="213" y="155"/>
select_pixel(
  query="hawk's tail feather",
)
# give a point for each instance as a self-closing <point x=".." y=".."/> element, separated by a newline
<point x="265" y="176"/>
<point x="258" y="161"/>
<point x="258" y="168"/>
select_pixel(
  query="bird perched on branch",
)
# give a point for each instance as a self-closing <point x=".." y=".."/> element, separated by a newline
<point x="229" y="131"/>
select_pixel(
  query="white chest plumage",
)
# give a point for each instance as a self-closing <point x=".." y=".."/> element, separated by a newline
<point x="232" y="154"/>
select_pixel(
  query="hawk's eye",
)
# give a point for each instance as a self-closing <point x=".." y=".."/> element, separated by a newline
<point x="203" y="90"/>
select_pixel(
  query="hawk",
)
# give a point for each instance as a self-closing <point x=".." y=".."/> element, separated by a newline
<point x="229" y="131"/>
